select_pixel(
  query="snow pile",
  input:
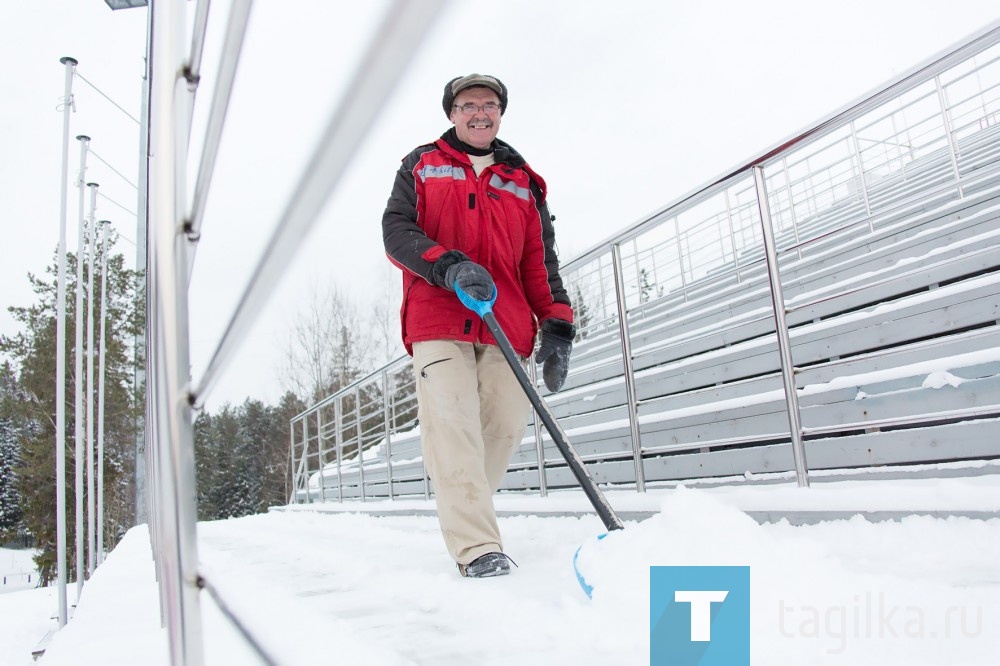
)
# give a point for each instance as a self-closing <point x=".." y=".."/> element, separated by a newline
<point x="922" y="591"/>
<point x="319" y="587"/>
<point x="17" y="569"/>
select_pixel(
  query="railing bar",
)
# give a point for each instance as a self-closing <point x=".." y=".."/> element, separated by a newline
<point x="239" y="16"/>
<point x="198" y="38"/>
<point x="403" y="28"/>
<point x="906" y="81"/>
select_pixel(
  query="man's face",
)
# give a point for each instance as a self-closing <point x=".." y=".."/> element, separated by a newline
<point x="479" y="128"/>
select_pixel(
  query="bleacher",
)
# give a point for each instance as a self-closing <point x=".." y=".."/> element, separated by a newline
<point x="890" y="271"/>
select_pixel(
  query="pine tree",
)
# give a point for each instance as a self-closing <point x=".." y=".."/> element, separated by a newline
<point x="33" y="352"/>
<point x="581" y="311"/>
<point x="11" y="516"/>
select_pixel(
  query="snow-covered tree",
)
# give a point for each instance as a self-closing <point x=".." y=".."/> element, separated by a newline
<point x="10" y="455"/>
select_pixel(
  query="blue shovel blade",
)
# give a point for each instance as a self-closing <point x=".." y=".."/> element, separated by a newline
<point x="588" y="589"/>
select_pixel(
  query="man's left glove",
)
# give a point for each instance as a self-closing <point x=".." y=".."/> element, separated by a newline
<point x="454" y="267"/>
<point x="557" y="343"/>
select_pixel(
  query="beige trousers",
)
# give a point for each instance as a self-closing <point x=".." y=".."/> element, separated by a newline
<point x="473" y="415"/>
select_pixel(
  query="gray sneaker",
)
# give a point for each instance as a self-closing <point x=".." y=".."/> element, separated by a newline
<point x="485" y="566"/>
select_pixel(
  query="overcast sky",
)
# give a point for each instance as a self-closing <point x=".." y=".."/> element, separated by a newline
<point x="622" y="107"/>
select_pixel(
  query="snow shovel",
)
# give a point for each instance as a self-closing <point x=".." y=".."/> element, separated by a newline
<point x="485" y="310"/>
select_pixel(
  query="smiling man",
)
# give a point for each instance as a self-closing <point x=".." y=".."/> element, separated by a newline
<point x="467" y="210"/>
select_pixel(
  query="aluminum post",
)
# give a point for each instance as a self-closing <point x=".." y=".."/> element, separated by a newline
<point x="387" y="426"/>
<point x="633" y="407"/>
<point x="946" y="123"/>
<point x="781" y="326"/>
<point x="357" y="429"/>
<point x="290" y="483"/>
<point x="70" y="65"/>
<point x="91" y="494"/>
<point x="175" y="434"/>
<point x="141" y="282"/>
<point x="543" y="485"/>
<point x="339" y="443"/>
<point x="319" y="453"/>
<point x="78" y="366"/>
<point x="100" y="392"/>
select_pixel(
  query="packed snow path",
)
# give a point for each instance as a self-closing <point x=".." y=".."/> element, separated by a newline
<point x="318" y="587"/>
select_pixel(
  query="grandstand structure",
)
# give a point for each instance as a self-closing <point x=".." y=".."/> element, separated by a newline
<point x="831" y="303"/>
<point x="867" y="243"/>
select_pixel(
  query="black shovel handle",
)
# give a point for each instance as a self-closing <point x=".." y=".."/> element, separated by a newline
<point x="593" y="493"/>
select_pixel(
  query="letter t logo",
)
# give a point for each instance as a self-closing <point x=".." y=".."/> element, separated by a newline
<point x="701" y="610"/>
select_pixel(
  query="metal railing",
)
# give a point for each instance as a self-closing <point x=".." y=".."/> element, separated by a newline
<point x="175" y="225"/>
<point x="853" y="167"/>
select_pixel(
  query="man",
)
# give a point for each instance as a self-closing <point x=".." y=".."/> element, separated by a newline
<point x="467" y="210"/>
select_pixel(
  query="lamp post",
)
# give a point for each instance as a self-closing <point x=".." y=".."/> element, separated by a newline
<point x="91" y="499"/>
<point x="100" y="394"/>
<point x="79" y="436"/>
<point x="141" y="512"/>
<point x="70" y="65"/>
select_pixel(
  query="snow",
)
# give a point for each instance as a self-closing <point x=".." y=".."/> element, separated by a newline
<point x="334" y="582"/>
<point x="17" y="570"/>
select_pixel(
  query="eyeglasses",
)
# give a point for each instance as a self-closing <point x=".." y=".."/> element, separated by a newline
<point x="470" y="108"/>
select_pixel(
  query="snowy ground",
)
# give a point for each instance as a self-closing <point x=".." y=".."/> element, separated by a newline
<point x="17" y="571"/>
<point x="330" y="585"/>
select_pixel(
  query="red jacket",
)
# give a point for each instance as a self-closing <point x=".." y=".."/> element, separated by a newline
<point x="500" y="220"/>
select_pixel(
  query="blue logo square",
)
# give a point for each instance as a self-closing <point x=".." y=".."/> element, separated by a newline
<point x="699" y="616"/>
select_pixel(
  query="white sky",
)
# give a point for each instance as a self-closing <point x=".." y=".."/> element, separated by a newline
<point x="382" y="591"/>
<point x="622" y="107"/>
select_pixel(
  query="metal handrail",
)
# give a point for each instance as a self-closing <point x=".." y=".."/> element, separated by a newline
<point x="821" y="190"/>
<point x="391" y="49"/>
<point x="908" y="80"/>
<point x="170" y="398"/>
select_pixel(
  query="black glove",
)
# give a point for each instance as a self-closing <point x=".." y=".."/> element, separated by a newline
<point x="454" y="266"/>
<point x="557" y="343"/>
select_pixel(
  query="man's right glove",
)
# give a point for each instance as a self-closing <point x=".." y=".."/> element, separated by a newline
<point x="557" y="343"/>
<point x="454" y="266"/>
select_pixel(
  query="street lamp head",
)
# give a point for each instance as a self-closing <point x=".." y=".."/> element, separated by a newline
<point x="125" y="4"/>
<point x="92" y="185"/>
<point x="67" y="59"/>
<point x="83" y="137"/>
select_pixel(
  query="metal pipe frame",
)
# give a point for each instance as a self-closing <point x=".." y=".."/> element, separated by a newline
<point x="360" y="440"/>
<point x="543" y="484"/>
<point x="79" y="440"/>
<point x="908" y="80"/>
<point x="69" y="65"/>
<point x="339" y="444"/>
<point x="633" y="406"/>
<point x="232" y="47"/>
<point x="737" y="186"/>
<point x="781" y="328"/>
<point x="391" y="49"/>
<point x="386" y="424"/>
<point x="946" y="121"/>
<point x="100" y="392"/>
<point x="305" y="457"/>
<point x="174" y="435"/>
<point x="141" y="340"/>
<point x="91" y="486"/>
<point x="319" y="455"/>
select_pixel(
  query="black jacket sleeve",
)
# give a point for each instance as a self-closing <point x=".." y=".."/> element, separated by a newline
<point x="556" y="286"/>
<point x="405" y="242"/>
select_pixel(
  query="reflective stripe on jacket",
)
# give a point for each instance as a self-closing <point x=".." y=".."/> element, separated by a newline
<point x="499" y="219"/>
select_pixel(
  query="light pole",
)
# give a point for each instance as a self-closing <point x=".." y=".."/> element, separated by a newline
<point x="141" y="513"/>
<point x="78" y="448"/>
<point x="70" y="65"/>
<point x="100" y="394"/>
<point x="91" y="499"/>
